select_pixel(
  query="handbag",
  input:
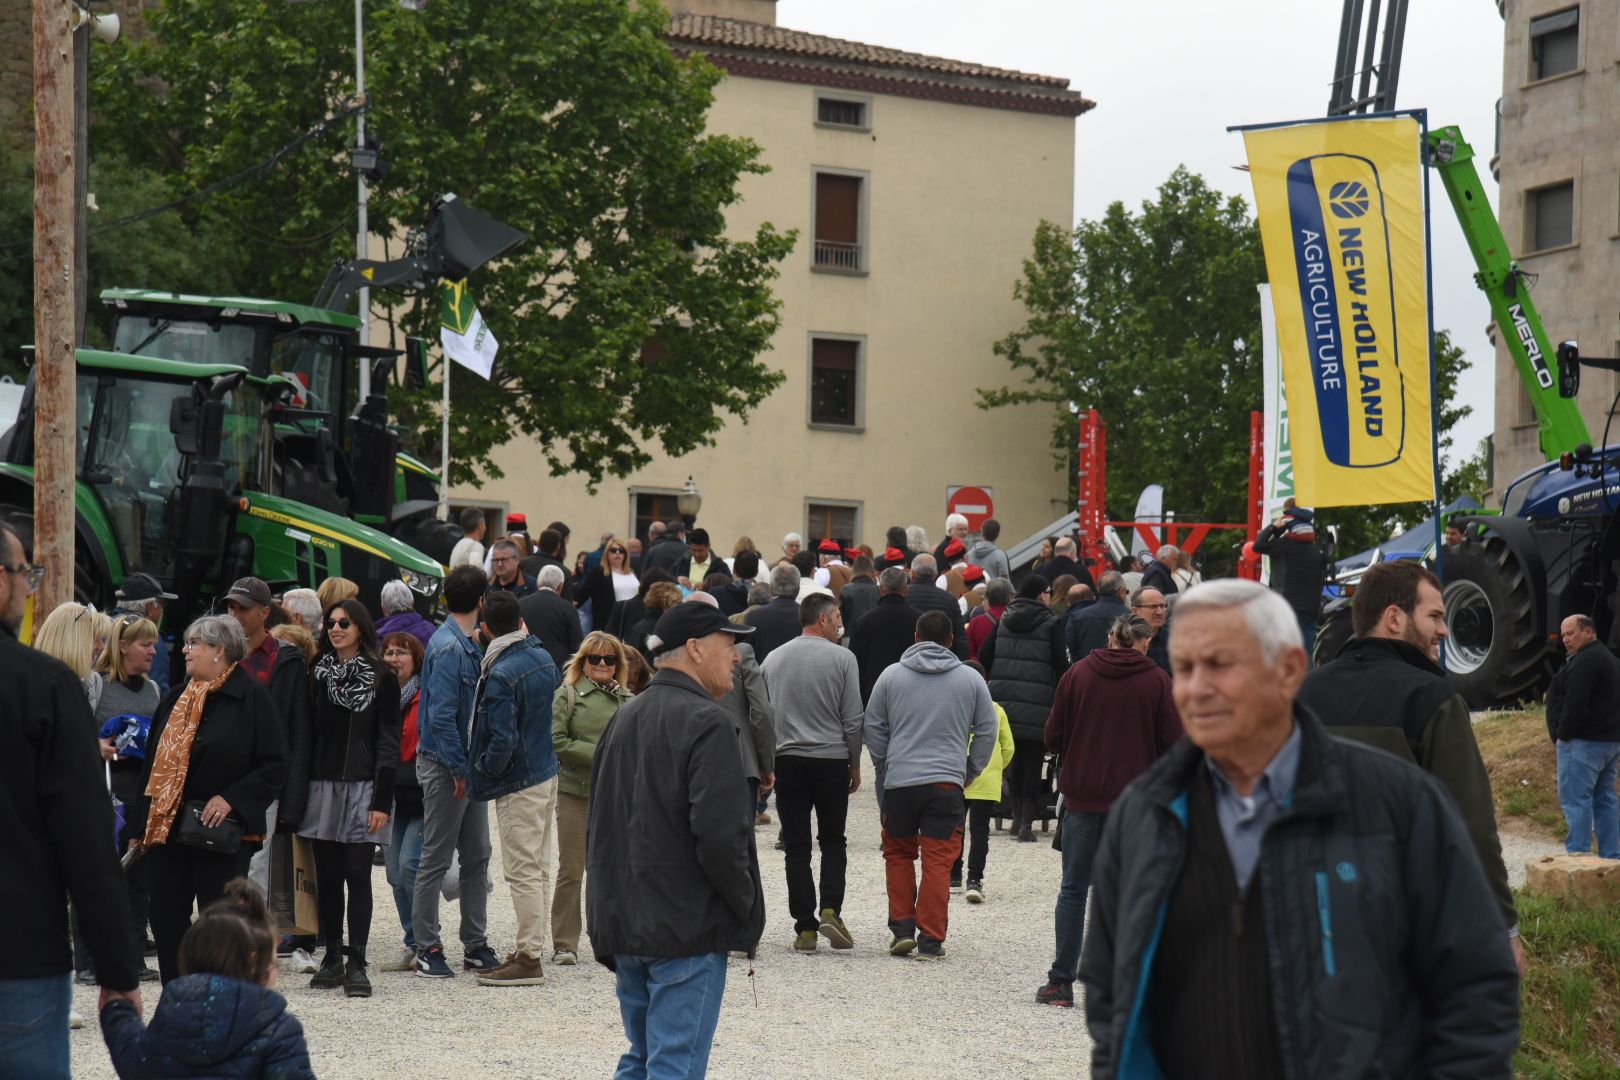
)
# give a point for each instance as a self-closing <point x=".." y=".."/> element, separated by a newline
<point x="222" y="839"/>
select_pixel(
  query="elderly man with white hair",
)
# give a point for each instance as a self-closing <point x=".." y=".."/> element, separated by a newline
<point x="400" y="615"/>
<point x="552" y="619"/>
<point x="304" y="605"/>
<point x="1269" y="900"/>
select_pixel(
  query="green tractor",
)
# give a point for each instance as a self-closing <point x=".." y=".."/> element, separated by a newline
<point x="200" y="473"/>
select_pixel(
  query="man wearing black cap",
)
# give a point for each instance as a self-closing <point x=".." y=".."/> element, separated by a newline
<point x="665" y="782"/>
<point x="143" y="595"/>
<point x="278" y="666"/>
<point x="699" y="562"/>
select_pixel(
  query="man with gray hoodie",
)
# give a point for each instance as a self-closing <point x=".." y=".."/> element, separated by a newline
<point x="918" y="722"/>
<point x="983" y="552"/>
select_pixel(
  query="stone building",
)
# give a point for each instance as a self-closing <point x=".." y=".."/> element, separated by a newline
<point x="916" y="184"/>
<point x="1558" y="162"/>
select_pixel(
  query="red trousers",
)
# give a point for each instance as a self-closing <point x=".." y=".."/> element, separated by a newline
<point x="924" y="820"/>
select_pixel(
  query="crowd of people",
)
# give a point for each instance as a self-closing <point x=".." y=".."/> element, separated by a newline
<point x="1268" y="896"/>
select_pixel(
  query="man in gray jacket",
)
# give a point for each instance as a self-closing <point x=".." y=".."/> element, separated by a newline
<point x="922" y="712"/>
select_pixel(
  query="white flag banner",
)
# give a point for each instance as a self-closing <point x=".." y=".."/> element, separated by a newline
<point x="462" y="332"/>
<point x="1278" y="482"/>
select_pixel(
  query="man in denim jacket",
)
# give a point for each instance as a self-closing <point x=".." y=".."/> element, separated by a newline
<point x="451" y="824"/>
<point x="514" y="765"/>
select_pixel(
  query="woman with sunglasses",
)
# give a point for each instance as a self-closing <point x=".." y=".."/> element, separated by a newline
<point x="613" y="583"/>
<point x="343" y="791"/>
<point x="592" y="690"/>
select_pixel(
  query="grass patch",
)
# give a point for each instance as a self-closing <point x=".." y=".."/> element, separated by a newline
<point x="1523" y="767"/>
<point x="1570" y="1012"/>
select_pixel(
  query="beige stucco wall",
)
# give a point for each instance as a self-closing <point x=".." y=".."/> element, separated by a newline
<point x="955" y="194"/>
<point x="1563" y="128"/>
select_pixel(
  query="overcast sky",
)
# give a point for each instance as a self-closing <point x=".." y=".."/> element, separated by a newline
<point x="1169" y="78"/>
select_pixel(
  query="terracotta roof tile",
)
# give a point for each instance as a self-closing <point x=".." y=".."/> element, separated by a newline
<point x="787" y="46"/>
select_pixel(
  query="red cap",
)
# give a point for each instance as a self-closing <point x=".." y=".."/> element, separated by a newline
<point x="894" y="555"/>
<point x="830" y="547"/>
<point x="971" y="574"/>
<point x="853" y="553"/>
<point x="955" y="549"/>
<point x="516" y="522"/>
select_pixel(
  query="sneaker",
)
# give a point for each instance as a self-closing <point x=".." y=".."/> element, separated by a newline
<point x="330" y="975"/>
<point x="929" y="949"/>
<point x="956" y="883"/>
<point x="902" y="946"/>
<point x="86" y="978"/>
<point x="482" y="958"/>
<point x="303" y="963"/>
<point x="355" y="983"/>
<point x="975" y="891"/>
<point x="565" y="958"/>
<point x="405" y="961"/>
<point x="1056" y="992"/>
<point x="518" y="971"/>
<point x="762" y="818"/>
<point x="431" y="965"/>
<point x="75" y="1021"/>
<point x="834" y="930"/>
<point x="1026" y="836"/>
<point x="805" y="941"/>
<point x="149" y="975"/>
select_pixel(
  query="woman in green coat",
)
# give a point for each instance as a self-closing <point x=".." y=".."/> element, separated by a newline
<point x="592" y="690"/>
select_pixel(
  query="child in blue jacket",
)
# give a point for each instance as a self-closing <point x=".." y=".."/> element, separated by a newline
<point x="220" y="1018"/>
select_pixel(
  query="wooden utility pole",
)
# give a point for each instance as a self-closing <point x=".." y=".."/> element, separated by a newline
<point x="55" y="298"/>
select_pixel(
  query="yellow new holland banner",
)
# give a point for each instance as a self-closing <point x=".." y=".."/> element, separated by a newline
<point x="1341" y="211"/>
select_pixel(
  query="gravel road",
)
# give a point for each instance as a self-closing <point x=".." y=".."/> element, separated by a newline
<point x="858" y="1013"/>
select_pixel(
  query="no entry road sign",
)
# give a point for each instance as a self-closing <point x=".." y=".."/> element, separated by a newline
<point x="973" y="503"/>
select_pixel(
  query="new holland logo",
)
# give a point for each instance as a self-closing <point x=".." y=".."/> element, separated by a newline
<point x="1347" y="298"/>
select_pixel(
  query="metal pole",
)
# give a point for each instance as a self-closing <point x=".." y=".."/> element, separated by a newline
<point x="362" y="229"/>
<point x="444" y="443"/>
<point x="55" y="286"/>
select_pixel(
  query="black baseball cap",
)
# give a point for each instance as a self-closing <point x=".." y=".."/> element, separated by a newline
<point x="250" y="591"/>
<point x="683" y="622"/>
<point x="143" y="587"/>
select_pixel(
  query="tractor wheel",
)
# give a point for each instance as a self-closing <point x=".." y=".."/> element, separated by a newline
<point x="1334" y="631"/>
<point x="88" y="588"/>
<point x="1496" y="655"/>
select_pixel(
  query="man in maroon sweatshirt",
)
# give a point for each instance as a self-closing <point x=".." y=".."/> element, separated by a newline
<point x="1113" y="716"/>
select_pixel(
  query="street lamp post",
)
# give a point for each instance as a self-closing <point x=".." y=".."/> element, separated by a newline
<point x="688" y="503"/>
<point x="360" y="244"/>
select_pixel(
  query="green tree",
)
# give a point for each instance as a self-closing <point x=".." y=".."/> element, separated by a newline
<point x="628" y="319"/>
<point x="1152" y="318"/>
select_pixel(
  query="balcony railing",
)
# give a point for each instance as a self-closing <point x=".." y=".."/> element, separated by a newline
<point x="835" y="255"/>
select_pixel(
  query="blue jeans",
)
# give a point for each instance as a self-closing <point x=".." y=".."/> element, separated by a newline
<point x="401" y="858"/>
<point x="1307" y="633"/>
<point x="1586" y="773"/>
<point x="34" y="1027"/>
<point x="670" y="1009"/>
<point x="1081" y="832"/>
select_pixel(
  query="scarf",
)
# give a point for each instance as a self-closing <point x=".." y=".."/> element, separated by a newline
<point x="409" y="733"/>
<point x="498" y="646"/>
<point x="350" y="684"/>
<point x="173" y="758"/>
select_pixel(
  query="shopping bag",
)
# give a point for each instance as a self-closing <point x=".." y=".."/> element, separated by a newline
<point x="292" y="884"/>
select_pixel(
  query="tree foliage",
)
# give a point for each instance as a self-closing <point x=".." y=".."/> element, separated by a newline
<point x="1153" y="318"/>
<point x="569" y="119"/>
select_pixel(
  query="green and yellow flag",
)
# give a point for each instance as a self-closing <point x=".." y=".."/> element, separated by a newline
<point x="462" y="332"/>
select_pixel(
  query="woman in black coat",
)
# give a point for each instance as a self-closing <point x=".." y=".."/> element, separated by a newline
<point x="609" y="587"/>
<point x="1025" y="658"/>
<point x="215" y="753"/>
<point x="347" y="788"/>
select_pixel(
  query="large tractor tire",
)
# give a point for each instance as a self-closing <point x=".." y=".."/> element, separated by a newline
<point x="1334" y="630"/>
<point x="88" y="586"/>
<point x="1496" y="654"/>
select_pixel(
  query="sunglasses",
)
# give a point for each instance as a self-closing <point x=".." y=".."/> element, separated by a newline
<point x="32" y="575"/>
<point x="87" y="609"/>
<point x="602" y="661"/>
<point x="617" y="551"/>
<point x="338" y="624"/>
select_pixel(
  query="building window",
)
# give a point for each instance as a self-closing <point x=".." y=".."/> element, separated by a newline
<point x="651" y="506"/>
<point x="835" y="381"/>
<point x="1555" y="44"/>
<point x="840" y="521"/>
<point x="853" y="113"/>
<point x="840" y="216"/>
<point x="1550" y="216"/>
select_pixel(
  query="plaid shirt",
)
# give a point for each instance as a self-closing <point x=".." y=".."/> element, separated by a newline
<point x="261" y="661"/>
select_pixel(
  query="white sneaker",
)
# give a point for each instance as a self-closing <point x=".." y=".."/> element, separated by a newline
<point x="303" y="963"/>
<point x="75" y="1021"/>
<point x="406" y="961"/>
<point x="565" y="958"/>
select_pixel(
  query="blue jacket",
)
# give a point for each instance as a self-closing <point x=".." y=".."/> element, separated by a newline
<point x="449" y="686"/>
<point x="208" y="1026"/>
<point x="511" y="732"/>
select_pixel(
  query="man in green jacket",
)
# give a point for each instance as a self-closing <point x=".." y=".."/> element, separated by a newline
<point x="1385" y="688"/>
